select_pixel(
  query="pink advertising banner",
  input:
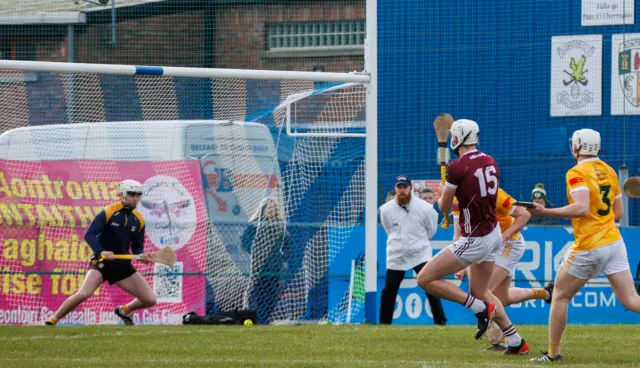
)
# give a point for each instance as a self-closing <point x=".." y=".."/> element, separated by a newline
<point x="45" y="208"/>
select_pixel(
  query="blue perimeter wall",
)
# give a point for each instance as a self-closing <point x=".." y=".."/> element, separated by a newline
<point x="594" y="304"/>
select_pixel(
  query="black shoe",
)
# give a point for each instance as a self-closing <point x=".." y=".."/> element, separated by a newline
<point x="47" y="323"/>
<point x="128" y="321"/>
<point x="484" y="318"/>
<point x="549" y="287"/>
<point x="497" y="347"/>
<point x="522" y="349"/>
<point x="546" y="358"/>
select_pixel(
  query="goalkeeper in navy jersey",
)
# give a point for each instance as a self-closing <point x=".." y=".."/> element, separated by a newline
<point x="117" y="229"/>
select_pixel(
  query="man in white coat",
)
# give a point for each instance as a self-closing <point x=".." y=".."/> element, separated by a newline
<point x="409" y="223"/>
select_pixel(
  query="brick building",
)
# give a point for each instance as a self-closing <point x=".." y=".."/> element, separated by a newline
<point x="282" y="35"/>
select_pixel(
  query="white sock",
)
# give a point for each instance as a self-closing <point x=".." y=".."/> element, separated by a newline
<point x="513" y="337"/>
<point x="474" y="304"/>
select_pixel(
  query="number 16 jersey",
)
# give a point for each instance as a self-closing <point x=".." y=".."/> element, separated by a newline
<point x="474" y="176"/>
<point x="598" y="228"/>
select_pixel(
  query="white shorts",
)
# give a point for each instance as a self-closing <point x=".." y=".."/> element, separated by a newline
<point x="477" y="249"/>
<point x="589" y="264"/>
<point x="510" y="254"/>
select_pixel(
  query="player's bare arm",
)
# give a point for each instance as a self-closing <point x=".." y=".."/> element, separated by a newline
<point x="521" y="217"/>
<point x="580" y="207"/>
<point x="456" y="235"/>
<point x="456" y="227"/>
<point x="618" y="211"/>
<point x="445" y="203"/>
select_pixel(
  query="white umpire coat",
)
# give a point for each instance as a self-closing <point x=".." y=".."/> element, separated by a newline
<point x="409" y="229"/>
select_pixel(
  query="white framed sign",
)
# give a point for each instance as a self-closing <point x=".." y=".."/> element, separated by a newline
<point x="576" y="75"/>
<point x="607" y="12"/>
<point x="625" y="74"/>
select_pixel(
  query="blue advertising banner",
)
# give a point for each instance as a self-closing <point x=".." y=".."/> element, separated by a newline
<point x="594" y="304"/>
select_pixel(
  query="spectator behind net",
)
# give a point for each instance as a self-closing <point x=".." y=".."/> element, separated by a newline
<point x="267" y="240"/>
<point x="539" y="195"/>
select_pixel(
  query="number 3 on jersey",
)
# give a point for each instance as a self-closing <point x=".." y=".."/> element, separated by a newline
<point x="486" y="176"/>
<point x="604" y="190"/>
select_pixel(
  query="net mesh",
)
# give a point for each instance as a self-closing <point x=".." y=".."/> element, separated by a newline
<point x="255" y="216"/>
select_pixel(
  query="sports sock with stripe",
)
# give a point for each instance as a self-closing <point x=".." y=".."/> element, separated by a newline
<point x="474" y="304"/>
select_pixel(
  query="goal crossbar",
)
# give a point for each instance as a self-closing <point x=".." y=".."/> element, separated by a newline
<point x="57" y="67"/>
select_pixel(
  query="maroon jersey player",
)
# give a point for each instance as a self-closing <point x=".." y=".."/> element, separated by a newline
<point x="474" y="179"/>
<point x="476" y="192"/>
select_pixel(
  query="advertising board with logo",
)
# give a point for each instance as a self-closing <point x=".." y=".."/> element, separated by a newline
<point x="45" y="209"/>
<point x="593" y="304"/>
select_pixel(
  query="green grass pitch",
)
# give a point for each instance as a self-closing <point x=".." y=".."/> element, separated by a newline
<point x="301" y="346"/>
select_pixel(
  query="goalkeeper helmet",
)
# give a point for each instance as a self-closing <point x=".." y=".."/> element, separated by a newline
<point x="130" y="186"/>
<point x="585" y="142"/>
<point x="464" y="132"/>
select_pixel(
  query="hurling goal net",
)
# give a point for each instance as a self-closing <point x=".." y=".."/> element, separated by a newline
<point x="255" y="178"/>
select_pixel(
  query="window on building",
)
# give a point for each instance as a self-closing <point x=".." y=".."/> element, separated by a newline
<point x="21" y="49"/>
<point x="316" y="35"/>
<point x="5" y="50"/>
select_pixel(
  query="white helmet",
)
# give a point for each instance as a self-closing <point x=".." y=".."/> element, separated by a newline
<point x="585" y="142"/>
<point x="130" y="186"/>
<point x="464" y="132"/>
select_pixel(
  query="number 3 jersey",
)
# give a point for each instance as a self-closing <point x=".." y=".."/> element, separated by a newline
<point x="598" y="228"/>
<point x="474" y="176"/>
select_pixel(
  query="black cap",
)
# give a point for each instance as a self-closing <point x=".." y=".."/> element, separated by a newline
<point x="403" y="179"/>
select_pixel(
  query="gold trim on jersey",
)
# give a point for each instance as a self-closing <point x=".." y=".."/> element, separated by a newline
<point x="138" y="215"/>
<point x="572" y="257"/>
<point x="111" y="209"/>
<point x="507" y="249"/>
